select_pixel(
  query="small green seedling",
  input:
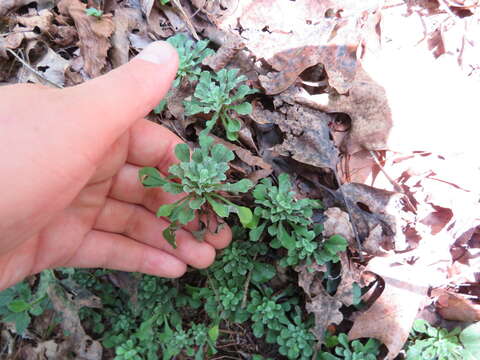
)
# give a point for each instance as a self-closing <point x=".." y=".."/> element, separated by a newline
<point x="296" y="340"/>
<point x="202" y="178"/>
<point x="427" y="342"/>
<point x="221" y="95"/>
<point x="190" y="57"/>
<point x="18" y="304"/>
<point x="287" y="219"/>
<point x="94" y="12"/>
<point x="355" y="350"/>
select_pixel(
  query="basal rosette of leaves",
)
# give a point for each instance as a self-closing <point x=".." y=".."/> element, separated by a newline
<point x="343" y="350"/>
<point x="287" y="220"/>
<point x="428" y="342"/>
<point x="190" y="56"/>
<point x="202" y="178"/>
<point x="221" y="95"/>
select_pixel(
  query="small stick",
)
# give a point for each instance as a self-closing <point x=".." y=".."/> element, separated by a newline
<point x="395" y="185"/>
<point x="37" y="73"/>
<point x="247" y="284"/>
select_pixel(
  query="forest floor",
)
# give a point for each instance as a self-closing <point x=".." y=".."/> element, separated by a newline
<point x="349" y="99"/>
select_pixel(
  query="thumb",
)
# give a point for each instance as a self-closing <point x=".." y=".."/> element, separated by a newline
<point x="102" y="109"/>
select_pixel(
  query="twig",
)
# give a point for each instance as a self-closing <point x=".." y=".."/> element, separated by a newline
<point x="350" y="217"/>
<point x="37" y="73"/>
<point x="395" y="185"/>
<point x="186" y="18"/>
<point x="247" y="284"/>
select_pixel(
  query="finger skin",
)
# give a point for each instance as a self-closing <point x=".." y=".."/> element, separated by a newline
<point x="141" y="225"/>
<point x="118" y="252"/>
<point x="127" y="188"/>
<point x="51" y="148"/>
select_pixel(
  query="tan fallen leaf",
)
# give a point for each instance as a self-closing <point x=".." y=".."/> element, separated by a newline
<point x="391" y="316"/>
<point x="94" y="34"/>
<point x="456" y="307"/>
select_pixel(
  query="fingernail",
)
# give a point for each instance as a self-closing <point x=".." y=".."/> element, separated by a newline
<point x="158" y="52"/>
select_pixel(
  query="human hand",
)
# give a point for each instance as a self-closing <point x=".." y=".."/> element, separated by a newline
<point x="70" y="189"/>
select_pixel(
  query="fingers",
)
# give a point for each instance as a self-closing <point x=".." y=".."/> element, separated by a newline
<point x="102" y="109"/>
<point x="152" y="145"/>
<point x="118" y="252"/>
<point x="139" y="224"/>
<point x="127" y="188"/>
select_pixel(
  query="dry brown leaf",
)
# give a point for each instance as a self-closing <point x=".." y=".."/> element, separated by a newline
<point x="456" y="307"/>
<point x="52" y="67"/>
<point x="157" y="24"/>
<point x="231" y="45"/>
<point x="337" y="222"/>
<point x="8" y="5"/>
<point x="302" y="34"/>
<point x="125" y="20"/>
<point x="372" y="208"/>
<point x="351" y="273"/>
<point x="307" y="137"/>
<point x="366" y="104"/>
<point x="326" y="308"/>
<point x="391" y="316"/>
<point x="41" y="22"/>
<point x="93" y="33"/>
<point x="79" y="342"/>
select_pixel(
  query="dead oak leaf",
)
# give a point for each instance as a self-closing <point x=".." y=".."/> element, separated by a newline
<point x="367" y="105"/>
<point x="303" y="34"/>
<point x="325" y="308"/>
<point x="9" y="5"/>
<point x="307" y="137"/>
<point x="93" y="33"/>
<point x="455" y="307"/>
<point x="391" y="316"/>
<point x="78" y="341"/>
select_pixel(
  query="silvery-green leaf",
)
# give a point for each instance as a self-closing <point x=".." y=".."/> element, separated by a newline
<point x="243" y="108"/>
<point x="244" y="214"/>
<point x="151" y="177"/>
<point x="165" y="210"/>
<point x="220" y="209"/>
<point x="239" y="187"/>
<point x="196" y="203"/>
<point x="182" y="152"/>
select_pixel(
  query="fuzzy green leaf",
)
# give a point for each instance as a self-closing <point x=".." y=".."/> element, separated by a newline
<point x="287" y="241"/>
<point x="257" y="232"/>
<point x="151" y="177"/>
<point x="169" y="235"/>
<point x="17" y="306"/>
<point x="239" y="187"/>
<point x="220" y="209"/>
<point x="243" y="108"/>
<point x="165" y="210"/>
<point x="470" y="338"/>
<point x="221" y="154"/>
<point x="263" y="272"/>
<point x="186" y="214"/>
<point x="336" y="244"/>
<point x="182" y="152"/>
<point x="244" y="214"/>
<point x="214" y="332"/>
<point x="196" y="203"/>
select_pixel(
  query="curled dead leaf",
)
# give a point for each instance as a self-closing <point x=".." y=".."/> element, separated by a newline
<point x="93" y="32"/>
<point x="456" y="307"/>
<point x="391" y="316"/>
<point x="78" y="341"/>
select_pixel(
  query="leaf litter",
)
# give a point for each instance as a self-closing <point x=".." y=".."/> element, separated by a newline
<point x="415" y="210"/>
